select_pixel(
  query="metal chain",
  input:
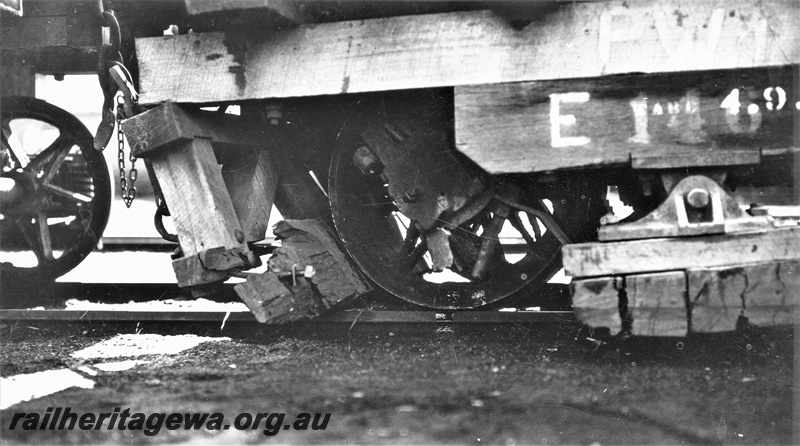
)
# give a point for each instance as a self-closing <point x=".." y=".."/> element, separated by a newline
<point x="127" y="184"/>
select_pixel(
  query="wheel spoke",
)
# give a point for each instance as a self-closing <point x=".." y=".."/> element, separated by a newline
<point x="537" y="230"/>
<point x="37" y="234"/>
<point x="516" y="222"/>
<point x="19" y="156"/>
<point x="416" y="254"/>
<point x="410" y="241"/>
<point x="61" y="192"/>
<point x="489" y="244"/>
<point x="55" y="163"/>
<point x="51" y="158"/>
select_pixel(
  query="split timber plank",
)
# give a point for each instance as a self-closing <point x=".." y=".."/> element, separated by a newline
<point x="312" y="242"/>
<point x="193" y="187"/>
<point x="643" y="121"/>
<point x="766" y="294"/>
<point x="666" y="254"/>
<point x="577" y="40"/>
<point x="271" y="301"/>
<point x="304" y="243"/>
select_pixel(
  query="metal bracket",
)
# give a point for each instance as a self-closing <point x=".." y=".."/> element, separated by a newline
<point x="697" y="205"/>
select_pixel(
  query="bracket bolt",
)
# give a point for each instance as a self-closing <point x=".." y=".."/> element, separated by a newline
<point x="698" y="198"/>
<point x="239" y="235"/>
<point x="411" y="195"/>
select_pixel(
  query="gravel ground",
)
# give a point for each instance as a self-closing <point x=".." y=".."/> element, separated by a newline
<point x="422" y="384"/>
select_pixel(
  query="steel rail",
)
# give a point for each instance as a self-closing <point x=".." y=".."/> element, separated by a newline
<point x="349" y="316"/>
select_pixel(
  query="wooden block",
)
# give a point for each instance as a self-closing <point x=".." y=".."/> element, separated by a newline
<point x="312" y="242"/>
<point x="221" y="259"/>
<point x="766" y="294"/>
<point x="576" y="40"/>
<point x="195" y="192"/>
<point x="271" y="301"/>
<point x="639" y="256"/>
<point x="595" y="302"/>
<point x="303" y="243"/>
<point x="210" y="266"/>
<point x="170" y="125"/>
<point x="252" y="180"/>
<point x="189" y="272"/>
<point x="647" y="121"/>
<point x="657" y="303"/>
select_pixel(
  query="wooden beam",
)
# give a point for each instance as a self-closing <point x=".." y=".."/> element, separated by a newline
<point x="657" y="304"/>
<point x="654" y="303"/>
<point x="190" y="272"/>
<point x="595" y="303"/>
<point x="57" y="24"/>
<point x="666" y="254"/>
<point x="298" y="197"/>
<point x="645" y="121"/>
<point x="577" y="40"/>
<point x="33" y="32"/>
<point x="195" y="192"/>
<point x="766" y="294"/>
<point x="170" y="125"/>
<point x="252" y="180"/>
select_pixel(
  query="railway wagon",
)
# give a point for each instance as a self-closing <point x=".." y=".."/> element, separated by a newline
<point x="457" y="155"/>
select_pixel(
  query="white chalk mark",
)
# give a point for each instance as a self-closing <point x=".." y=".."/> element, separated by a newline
<point x="557" y="119"/>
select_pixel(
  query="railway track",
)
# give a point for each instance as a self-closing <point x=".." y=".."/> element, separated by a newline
<point x="113" y="295"/>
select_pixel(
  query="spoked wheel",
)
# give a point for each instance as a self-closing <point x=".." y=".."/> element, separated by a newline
<point x="395" y="251"/>
<point x="56" y="192"/>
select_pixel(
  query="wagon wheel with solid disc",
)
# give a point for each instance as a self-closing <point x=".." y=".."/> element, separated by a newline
<point x="445" y="253"/>
<point x="56" y="192"/>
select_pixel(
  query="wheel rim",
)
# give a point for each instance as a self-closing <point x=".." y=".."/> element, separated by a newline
<point x="376" y="238"/>
<point x="65" y="191"/>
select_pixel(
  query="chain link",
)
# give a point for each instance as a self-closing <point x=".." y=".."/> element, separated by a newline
<point x="127" y="183"/>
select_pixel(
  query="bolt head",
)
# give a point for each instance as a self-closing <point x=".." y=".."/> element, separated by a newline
<point x="411" y="195"/>
<point x="698" y="198"/>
